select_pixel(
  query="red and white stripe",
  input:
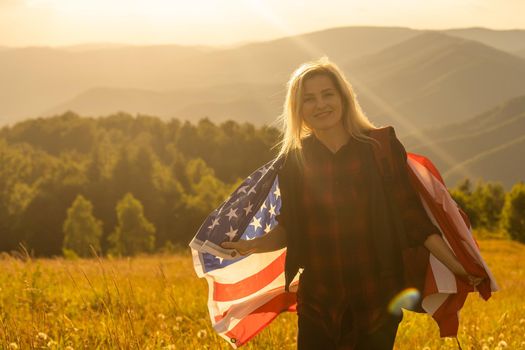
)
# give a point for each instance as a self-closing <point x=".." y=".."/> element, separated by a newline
<point x="246" y="296"/>
<point x="444" y="293"/>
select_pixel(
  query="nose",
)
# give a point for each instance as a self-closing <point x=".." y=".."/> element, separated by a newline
<point x="320" y="103"/>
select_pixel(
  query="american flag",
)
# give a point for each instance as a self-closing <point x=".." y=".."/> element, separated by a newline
<point x="247" y="292"/>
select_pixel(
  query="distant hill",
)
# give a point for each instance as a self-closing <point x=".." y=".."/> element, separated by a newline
<point x="36" y="80"/>
<point x="434" y="79"/>
<point x="91" y="46"/>
<point x="403" y="76"/>
<point x="506" y="40"/>
<point x="489" y="146"/>
<point x="258" y="104"/>
<point x="521" y="53"/>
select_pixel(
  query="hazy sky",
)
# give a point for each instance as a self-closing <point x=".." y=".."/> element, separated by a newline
<point x="218" y="22"/>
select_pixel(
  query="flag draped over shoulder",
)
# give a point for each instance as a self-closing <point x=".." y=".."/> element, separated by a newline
<point x="444" y="293"/>
<point x="247" y="292"/>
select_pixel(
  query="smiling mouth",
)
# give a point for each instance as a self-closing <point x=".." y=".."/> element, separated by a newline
<point x="323" y="114"/>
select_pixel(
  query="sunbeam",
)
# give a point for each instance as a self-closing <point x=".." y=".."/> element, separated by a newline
<point x="412" y="129"/>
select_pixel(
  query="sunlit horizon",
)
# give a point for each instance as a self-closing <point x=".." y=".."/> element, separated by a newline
<point x="229" y="23"/>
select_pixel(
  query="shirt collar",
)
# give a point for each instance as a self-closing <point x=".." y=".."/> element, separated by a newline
<point x="312" y="143"/>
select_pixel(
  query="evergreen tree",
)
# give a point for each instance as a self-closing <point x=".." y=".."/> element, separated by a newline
<point x="513" y="215"/>
<point x="134" y="233"/>
<point x="462" y="194"/>
<point x="81" y="229"/>
<point x="490" y="198"/>
<point x="465" y="186"/>
<point x="204" y="194"/>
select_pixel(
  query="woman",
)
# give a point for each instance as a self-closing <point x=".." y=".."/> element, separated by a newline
<point x="332" y="195"/>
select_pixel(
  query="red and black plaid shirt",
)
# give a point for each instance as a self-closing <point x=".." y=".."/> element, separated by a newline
<point x="338" y="254"/>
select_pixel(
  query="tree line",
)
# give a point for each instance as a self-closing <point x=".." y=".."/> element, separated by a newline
<point x="122" y="184"/>
<point x="175" y="172"/>
<point x="492" y="211"/>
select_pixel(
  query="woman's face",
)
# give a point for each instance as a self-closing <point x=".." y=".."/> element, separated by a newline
<point x="321" y="104"/>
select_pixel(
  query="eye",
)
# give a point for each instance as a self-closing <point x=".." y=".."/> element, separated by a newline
<point x="308" y="99"/>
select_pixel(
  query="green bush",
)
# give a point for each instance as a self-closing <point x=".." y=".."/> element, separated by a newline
<point x="82" y="231"/>
<point x="513" y="215"/>
<point x="134" y="233"/>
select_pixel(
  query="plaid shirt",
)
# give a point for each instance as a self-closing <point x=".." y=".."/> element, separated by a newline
<point x="340" y="269"/>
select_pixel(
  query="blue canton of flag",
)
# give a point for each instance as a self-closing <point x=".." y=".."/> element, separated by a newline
<point x="249" y="212"/>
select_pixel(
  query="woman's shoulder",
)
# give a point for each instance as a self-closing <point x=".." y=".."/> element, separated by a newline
<point x="390" y="144"/>
<point x="290" y="160"/>
<point x="384" y="135"/>
<point x="380" y="132"/>
<point x="295" y="156"/>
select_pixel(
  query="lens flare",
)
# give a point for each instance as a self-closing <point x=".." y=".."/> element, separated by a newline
<point x="405" y="299"/>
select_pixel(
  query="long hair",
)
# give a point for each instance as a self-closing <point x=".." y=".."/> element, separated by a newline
<point x="354" y="119"/>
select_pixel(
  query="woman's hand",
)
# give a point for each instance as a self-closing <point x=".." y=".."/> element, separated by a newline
<point x="471" y="279"/>
<point x="474" y="280"/>
<point x="437" y="246"/>
<point x="242" y="246"/>
<point x="269" y="242"/>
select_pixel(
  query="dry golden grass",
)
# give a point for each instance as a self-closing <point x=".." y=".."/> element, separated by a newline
<point x="157" y="302"/>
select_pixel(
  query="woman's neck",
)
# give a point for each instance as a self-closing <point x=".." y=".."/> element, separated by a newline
<point x="333" y="138"/>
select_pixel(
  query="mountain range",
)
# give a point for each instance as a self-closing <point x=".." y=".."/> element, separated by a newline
<point x="461" y="88"/>
<point x="434" y="79"/>
<point x="425" y="77"/>
<point x="489" y="146"/>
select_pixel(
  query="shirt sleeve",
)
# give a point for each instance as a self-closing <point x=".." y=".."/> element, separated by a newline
<point x="414" y="217"/>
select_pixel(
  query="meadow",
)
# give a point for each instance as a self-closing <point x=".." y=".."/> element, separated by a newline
<point x="157" y="302"/>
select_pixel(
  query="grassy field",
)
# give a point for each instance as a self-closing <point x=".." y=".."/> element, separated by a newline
<point x="158" y="303"/>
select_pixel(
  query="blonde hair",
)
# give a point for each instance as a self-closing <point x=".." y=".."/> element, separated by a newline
<point x="354" y="119"/>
